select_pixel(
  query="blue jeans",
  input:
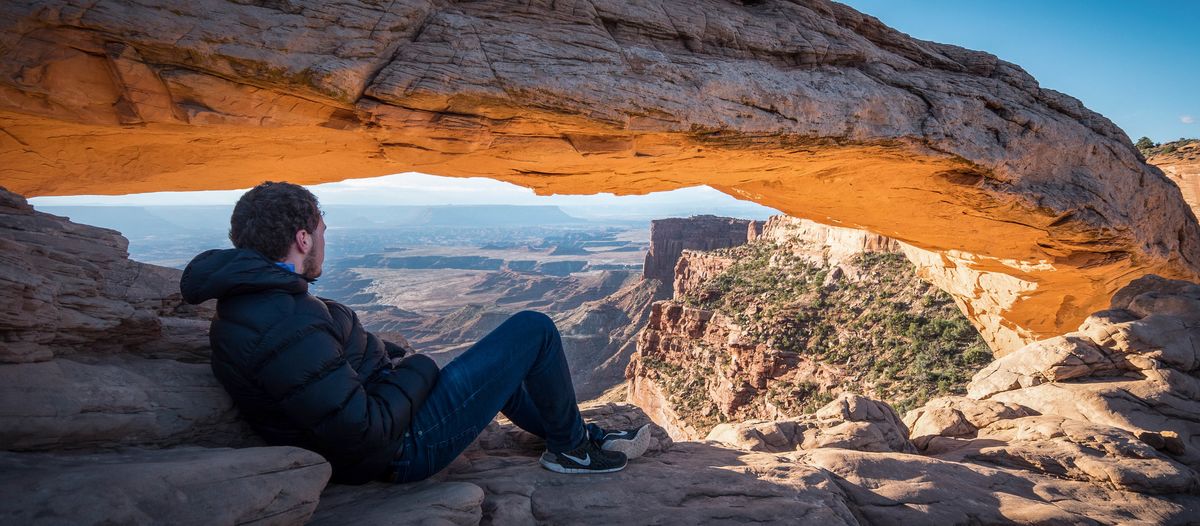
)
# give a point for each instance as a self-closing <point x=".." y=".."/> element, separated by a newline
<point x="518" y="369"/>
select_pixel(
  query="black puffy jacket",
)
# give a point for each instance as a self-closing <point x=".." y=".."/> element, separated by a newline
<point x="301" y="369"/>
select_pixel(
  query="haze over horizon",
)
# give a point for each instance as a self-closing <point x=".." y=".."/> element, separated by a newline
<point x="418" y="189"/>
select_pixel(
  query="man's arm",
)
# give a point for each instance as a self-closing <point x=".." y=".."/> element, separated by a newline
<point x="310" y="379"/>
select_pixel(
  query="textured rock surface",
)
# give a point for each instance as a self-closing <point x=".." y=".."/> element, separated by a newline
<point x="887" y="488"/>
<point x="1071" y="449"/>
<point x="811" y="108"/>
<point x="97" y="340"/>
<point x="278" y="485"/>
<point x="670" y="237"/>
<point x="957" y="416"/>
<point x="1183" y="167"/>
<point x="778" y="327"/>
<point x="115" y="401"/>
<point x="849" y="422"/>
<point x="685" y="483"/>
<point x="716" y="483"/>
<point x="67" y="289"/>
<point x="419" y="503"/>
<point x="1133" y="367"/>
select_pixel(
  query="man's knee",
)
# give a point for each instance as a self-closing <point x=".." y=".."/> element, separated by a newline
<point x="535" y="319"/>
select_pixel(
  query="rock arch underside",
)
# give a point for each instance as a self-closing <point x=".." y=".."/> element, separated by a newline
<point x="1029" y="208"/>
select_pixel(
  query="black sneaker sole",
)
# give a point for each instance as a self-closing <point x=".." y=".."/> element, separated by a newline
<point x="559" y="468"/>
<point x="633" y="447"/>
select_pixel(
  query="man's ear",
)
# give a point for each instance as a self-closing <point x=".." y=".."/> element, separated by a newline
<point x="303" y="241"/>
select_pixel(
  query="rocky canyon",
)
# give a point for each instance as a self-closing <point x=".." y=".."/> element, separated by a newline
<point x="106" y="420"/>
<point x="1034" y="210"/>
<point x="1056" y="268"/>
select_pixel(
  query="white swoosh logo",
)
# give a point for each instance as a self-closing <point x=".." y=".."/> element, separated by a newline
<point x="585" y="461"/>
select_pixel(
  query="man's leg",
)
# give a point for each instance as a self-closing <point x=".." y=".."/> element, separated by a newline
<point x="521" y="411"/>
<point x="525" y="350"/>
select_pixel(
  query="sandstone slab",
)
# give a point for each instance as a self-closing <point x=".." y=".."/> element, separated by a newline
<point x="67" y="288"/>
<point x="1103" y="455"/>
<point x="380" y="504"/>
<point x="115" y="401"/>
<point x="888" y="488"/>
<point x="849" y="422"/>
<point x="278" y="485"/>
<point x="1132" y="367"/>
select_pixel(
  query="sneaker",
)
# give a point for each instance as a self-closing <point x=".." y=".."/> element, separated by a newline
<point x="584" y="459"/>
<point x="632" y="442"/>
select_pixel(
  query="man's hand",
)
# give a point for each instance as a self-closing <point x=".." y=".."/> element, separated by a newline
<point x="396" y="351"/>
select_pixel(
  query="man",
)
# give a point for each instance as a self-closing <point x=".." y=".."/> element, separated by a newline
<point x="304" y="372"/>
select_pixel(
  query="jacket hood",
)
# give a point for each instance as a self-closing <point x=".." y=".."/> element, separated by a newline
<point x="219" y="273"/>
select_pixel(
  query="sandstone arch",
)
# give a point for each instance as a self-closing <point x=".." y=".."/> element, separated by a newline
<point x="1027" y="206"/>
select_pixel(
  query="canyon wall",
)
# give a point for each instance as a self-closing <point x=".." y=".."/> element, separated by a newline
<point x="1182" y="165"/>
<point x="99" y="425"/>
<point x="670" y="237"/>
<point x="776" y="328"/>
<point x="809" y="107"/>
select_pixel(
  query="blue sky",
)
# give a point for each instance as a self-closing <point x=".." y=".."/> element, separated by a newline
<point x="1136" y="62"/>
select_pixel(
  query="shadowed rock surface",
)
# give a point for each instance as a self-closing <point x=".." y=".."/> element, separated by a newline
<point x="418" y="503"/>
<point x="278" y="485"/>
<point x="1033" y="210"/>
<point x="115" y="401"/>
<point x="67" y="289"/>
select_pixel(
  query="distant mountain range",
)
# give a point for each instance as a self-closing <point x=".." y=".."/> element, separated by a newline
<point x="147" y="221"/>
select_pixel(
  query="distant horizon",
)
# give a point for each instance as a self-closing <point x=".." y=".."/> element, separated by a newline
<point x="418" y="189"/>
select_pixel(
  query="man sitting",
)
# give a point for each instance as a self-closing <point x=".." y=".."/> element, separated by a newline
<point x="304" y="372"/>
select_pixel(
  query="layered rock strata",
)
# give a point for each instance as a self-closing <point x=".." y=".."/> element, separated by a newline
<point x="670" y="237"/>
<point x="89" y="338"/>
<point x="1182" y="165"/>
<point x="778" y="327"/>
<point x="810" y="108"/>
<point x="68" y="289"/>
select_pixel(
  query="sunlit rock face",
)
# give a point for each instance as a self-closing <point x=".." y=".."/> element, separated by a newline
<point x="1182" y="165"/>
<point x="1029" y="208"/>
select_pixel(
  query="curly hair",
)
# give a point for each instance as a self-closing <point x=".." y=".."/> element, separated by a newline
<point x="267" y="217"/>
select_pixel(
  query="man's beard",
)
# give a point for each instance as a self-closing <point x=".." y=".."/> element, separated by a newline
<point x="311" y="271"/>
